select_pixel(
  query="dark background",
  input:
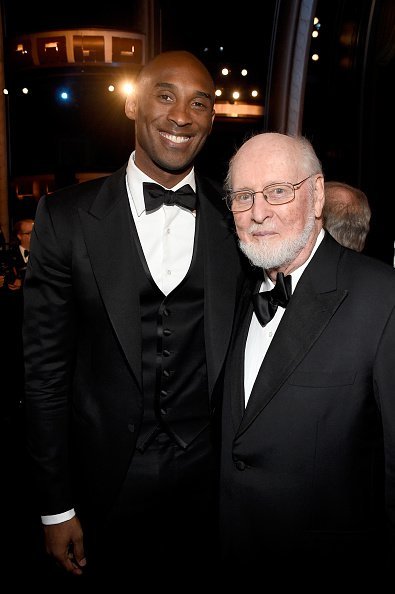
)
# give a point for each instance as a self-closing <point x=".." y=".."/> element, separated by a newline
<point x="91" y="132"/>
<point x="347" y="107"/>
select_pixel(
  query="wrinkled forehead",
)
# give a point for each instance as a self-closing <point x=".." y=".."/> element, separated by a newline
<point x="263" y="163"/>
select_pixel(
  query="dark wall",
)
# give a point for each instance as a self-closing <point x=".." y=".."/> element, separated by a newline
<point x="349" y="106"/>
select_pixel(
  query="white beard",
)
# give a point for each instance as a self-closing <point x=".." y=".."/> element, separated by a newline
<point x="266" y="256"/>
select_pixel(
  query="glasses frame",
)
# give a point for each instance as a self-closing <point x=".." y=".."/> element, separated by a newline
<point x="229" y="201"/>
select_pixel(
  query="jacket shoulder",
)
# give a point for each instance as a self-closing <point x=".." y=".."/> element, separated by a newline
<point x="81" y="195"/>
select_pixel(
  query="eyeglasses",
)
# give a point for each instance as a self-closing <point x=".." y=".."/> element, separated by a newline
<point x="26" y="232"/>
<point x="275" y="194"/>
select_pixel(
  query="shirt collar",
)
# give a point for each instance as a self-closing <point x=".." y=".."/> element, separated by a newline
<point x="134" y="182"/>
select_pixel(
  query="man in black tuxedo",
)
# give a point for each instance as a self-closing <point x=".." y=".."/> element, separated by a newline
<point x="14" y="265"/>
<point x="19" y="253"/>
<point x="129" y="303"/>
<point x="308" y="426"/>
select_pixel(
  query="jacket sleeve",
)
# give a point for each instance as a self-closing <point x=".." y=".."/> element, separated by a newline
<point x="384" y="384"/>
<point x="48" y="335"/>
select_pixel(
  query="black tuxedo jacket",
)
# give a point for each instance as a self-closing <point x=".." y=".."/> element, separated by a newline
<point x="82" y="334"/>
<point x="308" y="467"/>
<point x="16" y="264"/>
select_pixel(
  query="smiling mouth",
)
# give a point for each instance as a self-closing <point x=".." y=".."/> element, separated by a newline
<point x="174" y="138"/>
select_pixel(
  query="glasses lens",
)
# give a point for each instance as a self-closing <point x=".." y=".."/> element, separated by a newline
<point x="279" y="193"/>
<point x="240" y="201"/>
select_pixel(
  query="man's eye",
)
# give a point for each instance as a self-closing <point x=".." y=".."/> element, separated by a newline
<point x="199" y="105"/>
<point x="245" y="197"/>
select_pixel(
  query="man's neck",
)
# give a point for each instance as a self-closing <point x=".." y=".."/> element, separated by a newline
<point x="167" y="179"/>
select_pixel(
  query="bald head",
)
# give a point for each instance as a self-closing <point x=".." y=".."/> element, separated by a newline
<point x="173" y="110"/>
<point x="184" y="63"/>
<point x="290" y="156"/>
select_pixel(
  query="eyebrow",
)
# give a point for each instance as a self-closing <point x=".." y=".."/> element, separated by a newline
<point x="173" y="87"/>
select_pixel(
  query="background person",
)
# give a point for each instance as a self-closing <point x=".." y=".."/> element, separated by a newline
<point x="14" y="262"/>
<point x="129" y="307"/>
<point x="346" y="214"/>
<point x="308" y="430"/>
<point x="18" y="254"/>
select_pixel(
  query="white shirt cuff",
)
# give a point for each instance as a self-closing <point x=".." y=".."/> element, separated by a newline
<point x="58" y="518"/>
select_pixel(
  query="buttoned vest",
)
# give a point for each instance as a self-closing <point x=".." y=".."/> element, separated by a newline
<point x="175" y="387"/>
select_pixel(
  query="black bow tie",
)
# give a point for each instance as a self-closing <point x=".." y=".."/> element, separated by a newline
<point x="266" y="303"/>
<point x="26" y="253"/>
<point x="155" y="196"/>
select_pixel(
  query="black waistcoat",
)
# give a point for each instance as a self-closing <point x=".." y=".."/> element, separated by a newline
<point x="174" y="370"/>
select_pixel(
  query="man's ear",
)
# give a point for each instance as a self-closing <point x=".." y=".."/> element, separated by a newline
<point x="130" y="106"/>
<point x="319" y="193"/>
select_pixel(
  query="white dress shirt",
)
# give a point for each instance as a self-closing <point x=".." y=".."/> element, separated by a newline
<point x="260" y="337"/>
<point x="22" y="250"/>
<point x="166" y="236"/>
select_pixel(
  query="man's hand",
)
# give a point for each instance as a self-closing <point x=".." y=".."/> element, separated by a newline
<point x="16" y="285"/>
<point x="64" y="542"/>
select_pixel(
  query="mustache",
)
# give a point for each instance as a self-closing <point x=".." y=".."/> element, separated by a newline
<point x="259" y="227"/>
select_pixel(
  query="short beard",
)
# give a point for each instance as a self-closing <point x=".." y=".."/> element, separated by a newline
<point x="265" y="256"/>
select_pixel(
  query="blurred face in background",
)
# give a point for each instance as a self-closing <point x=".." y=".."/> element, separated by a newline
<point x="25" y="233"/>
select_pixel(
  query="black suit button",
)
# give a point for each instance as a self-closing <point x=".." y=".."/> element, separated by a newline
<point x="240" y="465"/>
<point x="165" y="312"/>
<point x="163" y="411"/>
<point x="166" y="373"/>
<point x="163" y="438"/>
<point x="163" y="393"/>
<point x="131" y="427"/>
<point x="166" y="353"/>
<point x="166" y="332"/>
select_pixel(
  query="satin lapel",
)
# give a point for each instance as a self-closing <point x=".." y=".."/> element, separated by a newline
<point x="107" y="231"/>
<point x="313" y="304"/>
<point x="234" y="382"/>
<point x="221" y="276"/>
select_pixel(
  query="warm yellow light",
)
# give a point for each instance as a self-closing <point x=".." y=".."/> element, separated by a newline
<point x="218" y="93"/>
<point x="238" y="110"/>
<point x="316" y="21"/>
<point x="111" y="88"/>
<point x="244" y="72"/>
<point x="314" y="34"/>
<point x="128" y="88"/>
<point x="5" y="91"/>
<point x="225" y="71"/>
<point x="25" y="90"/>
<point x="315" y="57"/>
<point x="236" y="95"/>
<point x="51" y="45"/>
<point x="254" y="93"/>
<point x="20" y="48"/>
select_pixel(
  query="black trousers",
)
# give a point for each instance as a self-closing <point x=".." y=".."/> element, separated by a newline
<point x="164" y="521"/>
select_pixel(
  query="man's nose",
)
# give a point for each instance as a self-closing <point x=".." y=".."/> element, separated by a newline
<point x="179" y="113"/>
<point x="261" y="208"/>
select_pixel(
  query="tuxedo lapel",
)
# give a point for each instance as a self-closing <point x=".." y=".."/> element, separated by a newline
<point x="235" y="364"/>
<point x="221" y="275"/>
<point x="312" y="305"/>
<point x="107" y="232"/>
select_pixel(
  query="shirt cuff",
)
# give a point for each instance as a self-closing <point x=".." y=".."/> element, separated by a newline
<point x="58" y="518"/>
